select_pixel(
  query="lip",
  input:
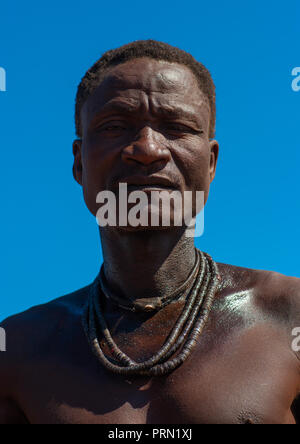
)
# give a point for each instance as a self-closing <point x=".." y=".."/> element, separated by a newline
<point x="151" y="182"/>
<point x="149" y="188"/>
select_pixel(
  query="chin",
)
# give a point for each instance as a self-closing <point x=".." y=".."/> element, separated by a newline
<point x="144" y="230"/>
<point x="141" y="228"/>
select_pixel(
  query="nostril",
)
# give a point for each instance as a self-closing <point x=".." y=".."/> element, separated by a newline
<point x="145" y="153"/>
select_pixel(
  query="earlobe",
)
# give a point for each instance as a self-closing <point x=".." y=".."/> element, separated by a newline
<point x="214" y="152"/>
<point x="77" y="165"/>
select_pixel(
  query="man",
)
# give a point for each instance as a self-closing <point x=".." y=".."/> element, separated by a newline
<point x="145" y="116"/>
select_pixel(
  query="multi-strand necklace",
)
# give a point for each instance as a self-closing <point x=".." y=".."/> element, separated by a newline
<point x="198" y="291"/>
<point x="149" y="304"/>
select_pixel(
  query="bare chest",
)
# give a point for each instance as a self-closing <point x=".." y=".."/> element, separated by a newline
<point x="246" y="377"/>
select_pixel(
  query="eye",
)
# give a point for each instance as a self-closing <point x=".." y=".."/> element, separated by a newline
<point x="179" y="128"/>
<point x="112" y="127"/>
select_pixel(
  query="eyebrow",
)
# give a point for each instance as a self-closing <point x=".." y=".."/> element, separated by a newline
<point x="173" y="111"/>
<point x="114" y="106"/>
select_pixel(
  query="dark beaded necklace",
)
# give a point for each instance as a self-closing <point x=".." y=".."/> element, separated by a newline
<point x="149" y="304"/>
<point x="184" y="334"/>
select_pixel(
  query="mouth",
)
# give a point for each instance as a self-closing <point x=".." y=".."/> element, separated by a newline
<point x="148" y="183"/>
<point x="154" y="187"/>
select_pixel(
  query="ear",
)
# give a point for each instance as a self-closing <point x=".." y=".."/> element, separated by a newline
<point x="214" y="152"/>
<point x="77" y="165"/>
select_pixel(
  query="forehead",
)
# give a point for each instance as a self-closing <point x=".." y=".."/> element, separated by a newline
<point x="149" y="82"/>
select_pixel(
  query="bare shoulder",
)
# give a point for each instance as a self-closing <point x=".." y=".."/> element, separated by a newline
<point x="274" y="292"/>
<point x="35" y="332"/>
<point x="279" y="295"/>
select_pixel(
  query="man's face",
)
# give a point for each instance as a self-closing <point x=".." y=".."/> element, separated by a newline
<point x="147" y="124"/>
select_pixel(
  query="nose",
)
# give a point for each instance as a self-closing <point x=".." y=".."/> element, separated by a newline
<point x="146" y="149"/>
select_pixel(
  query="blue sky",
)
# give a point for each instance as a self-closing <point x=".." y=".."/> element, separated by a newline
<point x="49" y="241"/>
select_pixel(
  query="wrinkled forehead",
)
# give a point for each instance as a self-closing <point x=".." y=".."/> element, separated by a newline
<point x="150" y="75"/>
<point x="163" y="82"/>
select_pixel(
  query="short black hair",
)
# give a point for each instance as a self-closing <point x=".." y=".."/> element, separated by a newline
<point x="138" y="49"/>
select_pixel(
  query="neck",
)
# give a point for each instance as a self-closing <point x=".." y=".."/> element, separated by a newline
<point x="146" y="264"/>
